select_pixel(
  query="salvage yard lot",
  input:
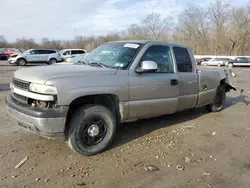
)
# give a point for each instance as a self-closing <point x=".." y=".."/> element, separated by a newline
<point x="213" y="148"/>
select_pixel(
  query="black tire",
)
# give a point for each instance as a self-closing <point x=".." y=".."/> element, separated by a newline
<point x="218" y="101"/>
<point x="21" y="62"/>
<point x="83" y="121"/>
<point x="52" y="61"/>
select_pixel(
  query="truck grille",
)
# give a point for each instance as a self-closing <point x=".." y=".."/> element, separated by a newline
<point x="20" y="84"/>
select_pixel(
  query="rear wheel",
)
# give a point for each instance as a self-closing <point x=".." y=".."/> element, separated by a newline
<point x="218" y="101"/>
<point x="52" y="61"/>
<point x="92" y="129"/>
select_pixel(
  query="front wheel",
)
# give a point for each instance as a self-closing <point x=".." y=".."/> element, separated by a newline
<point x="92" y="129"/>
<point x="21" y="62"/>
<point x="218" y="101"/>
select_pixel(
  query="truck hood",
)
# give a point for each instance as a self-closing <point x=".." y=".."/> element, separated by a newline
<point x="42" y="74"/>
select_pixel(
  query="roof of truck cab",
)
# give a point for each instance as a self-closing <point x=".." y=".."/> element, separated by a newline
<point x="149" y="41"/>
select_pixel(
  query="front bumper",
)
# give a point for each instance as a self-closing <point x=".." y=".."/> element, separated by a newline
<point x="49" y="123"/>
<point x="12" y="61"/>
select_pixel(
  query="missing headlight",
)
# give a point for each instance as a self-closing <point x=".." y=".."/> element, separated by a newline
<point x="42" y="104"/>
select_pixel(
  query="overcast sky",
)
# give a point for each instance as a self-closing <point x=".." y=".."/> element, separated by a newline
<point x="57" y="19"/>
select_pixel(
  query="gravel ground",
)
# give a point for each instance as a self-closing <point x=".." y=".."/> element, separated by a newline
<point x="212" y="149"/>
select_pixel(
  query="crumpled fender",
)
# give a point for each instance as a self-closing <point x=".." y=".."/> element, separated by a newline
<point x="225" y="78"/>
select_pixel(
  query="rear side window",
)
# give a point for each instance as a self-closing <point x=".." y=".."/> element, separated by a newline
<point x="40" y="52"/>
<point x="77" y="52"/>
<point x="183" y="60"/>
<point x="51" y="51"/>
<point x="81" y="52"/>
<point x="73" y="52"/>
<point x="242" y="59"/>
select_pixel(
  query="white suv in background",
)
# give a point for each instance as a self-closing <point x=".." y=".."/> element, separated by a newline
<point x="68" y="54"/>
<point x="36" y="56"/>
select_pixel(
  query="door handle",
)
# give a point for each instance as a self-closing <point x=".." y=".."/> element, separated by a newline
<point x="174" y="82"/>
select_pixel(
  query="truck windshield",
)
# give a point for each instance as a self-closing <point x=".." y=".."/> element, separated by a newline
<point x="114" y="55"/>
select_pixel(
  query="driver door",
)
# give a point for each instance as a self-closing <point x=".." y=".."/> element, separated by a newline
<point x="155" y="93"/>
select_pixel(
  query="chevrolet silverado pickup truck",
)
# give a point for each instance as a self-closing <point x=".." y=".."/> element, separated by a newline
<point x="117" y="82"/>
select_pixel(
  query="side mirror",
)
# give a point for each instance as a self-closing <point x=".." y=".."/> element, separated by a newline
<point x="28" y="53"/>
<point x="147" y="66"/>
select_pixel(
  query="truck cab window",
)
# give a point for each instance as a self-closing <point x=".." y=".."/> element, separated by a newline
<point x="183" y="60"/>
<point x="162" y="56"/>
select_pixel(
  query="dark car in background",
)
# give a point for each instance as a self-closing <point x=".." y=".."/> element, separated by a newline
<point x="2" y="55"/>
<point x="239" y="61"/>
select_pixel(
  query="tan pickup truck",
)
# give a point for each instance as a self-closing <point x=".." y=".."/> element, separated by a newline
<point x="117" y="82"/>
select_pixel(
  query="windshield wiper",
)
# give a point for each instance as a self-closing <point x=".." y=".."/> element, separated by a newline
<point x="82" y="62"/>
<point x="98" y="64"/>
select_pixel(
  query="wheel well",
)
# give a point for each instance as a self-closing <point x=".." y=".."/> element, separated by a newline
<point x="110" y="101"/>
<point x="21" y="58"/>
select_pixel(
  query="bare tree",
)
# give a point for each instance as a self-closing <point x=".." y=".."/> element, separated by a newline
<point x="52" y="44"/>
<point x="219" y="14"/>
<point x="156" y="25"/>
<point x="3" y="42"/>
<point x="138" y="32"/>
<point x="24" y="43"/>
<point x="240" y="34"/>
<point x="193" y="22"/>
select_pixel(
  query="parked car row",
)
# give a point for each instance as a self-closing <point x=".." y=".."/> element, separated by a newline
<point x="48" y="56"/>
<point x="238" y="61"/>
<point x="216" y="62"/>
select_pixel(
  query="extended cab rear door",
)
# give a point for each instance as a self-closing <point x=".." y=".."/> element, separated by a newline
<point x="188" y="78"/>
<point x="155" y="93"/>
